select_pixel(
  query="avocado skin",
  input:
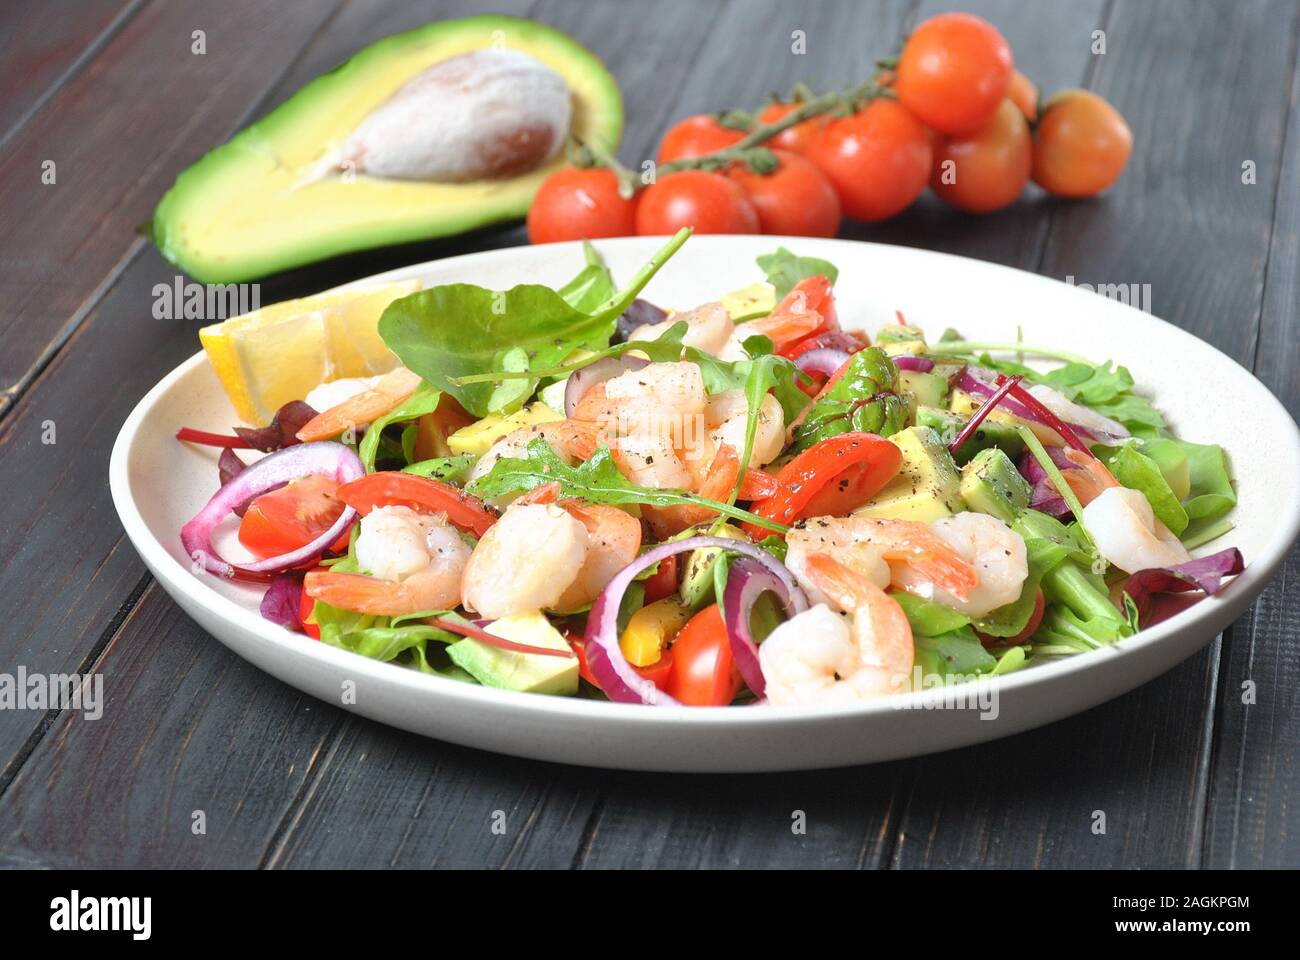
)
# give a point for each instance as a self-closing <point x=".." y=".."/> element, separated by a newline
<point x="225" y="220"/>
<point x="991" y="484"/>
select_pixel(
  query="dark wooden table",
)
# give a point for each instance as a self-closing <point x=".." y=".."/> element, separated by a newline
<point x="1186" y="773"/>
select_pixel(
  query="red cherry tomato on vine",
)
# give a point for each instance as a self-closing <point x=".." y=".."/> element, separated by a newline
<point x="1023" y="92"/>
<point x="797" y="199"/>
<point x="796" y="138"/>
<point x="709" y="202"/>
<point x="1081" y="145"/>
<point x="953" y="72"/>
<point x="878" y="159"/>
<point x="580" y="204"/>
<point x="694" y="137"/>
<point x="986" y="170"/>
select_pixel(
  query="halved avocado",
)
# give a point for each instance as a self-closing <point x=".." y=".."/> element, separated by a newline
<point x="254" y="207"/>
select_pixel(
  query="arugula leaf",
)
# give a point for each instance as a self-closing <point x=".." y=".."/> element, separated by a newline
<point x="784" y="270"/>
<point x="957" y="653"/>
<point x="863" y="400"/>
<point x="598" y="480"/>
<point x="454" y="330"/>
<point x="1088" y="383"/>
<point x="592" y="287"/>
<point x="424" y="400"/>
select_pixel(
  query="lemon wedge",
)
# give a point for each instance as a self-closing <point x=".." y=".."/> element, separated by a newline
<point x="276" y="354"/>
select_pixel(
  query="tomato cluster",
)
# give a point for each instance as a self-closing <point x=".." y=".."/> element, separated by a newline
<point x="956" y="115"/>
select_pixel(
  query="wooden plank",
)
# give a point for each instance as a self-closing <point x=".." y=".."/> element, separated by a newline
<point x="1253" y="818"/>
<point x="43" y="45"/>
<point x="1141" y="759"/>
<point x="194" y="761"/>
<point x="113" y="156"/>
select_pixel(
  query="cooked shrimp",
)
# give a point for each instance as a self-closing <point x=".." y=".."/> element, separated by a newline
<point x="716" y="482"/>
<point x="708" y="328"/>
<point x="651" y="460"/>
<point x="525" y="561"/>
<point x="571" y="439"/>
<point x="613" y="540"/>
<point x="1128" y="534"/>
<point x="1090" y="480"/>
<point x="726" y="417"/>
<point x="664" y="399"/>
<point x="818" y="657"/>
<point x="1071" y="412"/>
<point x="389" y="392"/>
<point x="415" y="562"/>
<point x="783" y="326"/>
<point x="882" y="551"/>
<point x="995" y="551"/>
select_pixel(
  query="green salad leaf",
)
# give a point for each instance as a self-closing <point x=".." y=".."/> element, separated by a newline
<point x="455" y="330"/>
<point x="1211" y="493"/>
<point x="597" y="480"/>
<point x="956" y="654"/>
<point x="927" y="618"/>
<point x="592" y="287"/>
<point x="784" y="270"/>
<point x="863" y="400"/>
<point x="424" y="400"/>
<point x="448" y="469"/>
<point x="1139" y="472"/>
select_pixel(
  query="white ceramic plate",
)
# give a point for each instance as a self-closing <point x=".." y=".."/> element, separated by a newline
<point x="158" y="484"/>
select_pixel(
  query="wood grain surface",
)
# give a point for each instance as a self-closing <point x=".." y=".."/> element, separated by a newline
<point x="1195" y="768"/>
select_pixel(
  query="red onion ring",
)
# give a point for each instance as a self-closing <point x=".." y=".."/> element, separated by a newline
<point x="747" y="580"/>
<point x="823" y="360"/>
<point x="605" y="659"/>
<point x="917" y="364"/>
<point x="274" y="470"/>
<point x="606" y="368"/>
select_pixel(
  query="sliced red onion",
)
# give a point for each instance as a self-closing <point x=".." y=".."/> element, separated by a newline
<point x="614" y="675"/>
<point x="1204" y="573"/>
<point x="969" y="381"/>
<point x="282" y="430"/>
<point x="324" y="457"/>
<point x="606" y="368"/>
<point x="823" y="360"/>
<point x="1033" y="471"/>
<point x="917" y="364"/>
<point x="1026" y="406"/>
<point x="282" y="601"/>
<point x="747" y="580"/>
<point x="638" y="314"/>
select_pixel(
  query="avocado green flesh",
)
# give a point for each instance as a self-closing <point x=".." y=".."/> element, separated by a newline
<point x="991" y="484"/>
<point x="256" y="205"/>
<point x="990" y="433"/>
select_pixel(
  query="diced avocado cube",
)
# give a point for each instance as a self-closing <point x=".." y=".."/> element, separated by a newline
<point x="927" y="486"/>
<point x="478" y="437"/>
<point x="697" y="577"/>
<point x="513" y="670"/>
<point x="902" y="348"/>
<point x="756" y="300"/>
<point x="922" y="388"/>
<point x="900" y="333"/>
<point x="990" y="433"/>
<point x="991" y="484"/>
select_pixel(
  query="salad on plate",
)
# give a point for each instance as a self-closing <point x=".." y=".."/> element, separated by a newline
<point x="576" y="492"/>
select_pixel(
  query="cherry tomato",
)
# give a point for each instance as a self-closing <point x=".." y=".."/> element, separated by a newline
<point x="305" y="606"/>
<point x="290" y="517"/>
<point x="391" y="487"/>
<point x="1081" y="145"/>
<point x="580" y="204"/>
<point x="1023" y="92"/>
<point x="850" y="341"/>
<point x="709" y="202"/>
<point x="704" y="673"/>
<point x="986" y="170"/>
<point x="796" y="200"/>
<point x="878" y="159"/>
<point x="796" y="138"/>
<point x="1035" y="618"/>
<point x="830" y="478"/>
<point x="694" y="137"/>
<point x="657" y="673"/>
<point x="663" y="582"/>
<point x="953" y="72"/>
